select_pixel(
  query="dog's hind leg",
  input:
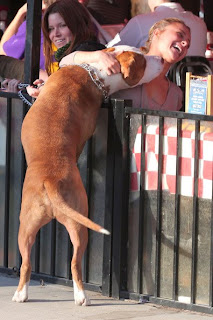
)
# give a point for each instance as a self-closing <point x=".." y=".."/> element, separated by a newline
<point x="79" y="238"/>
<point x="76" y="198"/>
<point x="32" y="218"/>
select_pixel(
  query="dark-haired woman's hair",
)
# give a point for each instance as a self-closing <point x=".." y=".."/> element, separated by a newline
<point x="77" y="20"/>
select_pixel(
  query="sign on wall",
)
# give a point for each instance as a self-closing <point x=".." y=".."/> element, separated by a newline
<point x="199" y="92"/>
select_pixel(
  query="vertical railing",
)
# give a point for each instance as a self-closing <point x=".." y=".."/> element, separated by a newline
<point x="7" y="182"/>
<point x="109" y="202"/>
<point x="195" y="213"/>
<point x="159" y="208"/>
<point x="141" y="207"/>
<point x="177" y="214"/>
<point x="120" y="207"/>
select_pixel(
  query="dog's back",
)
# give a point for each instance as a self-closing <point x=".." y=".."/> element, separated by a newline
<point x="62" y="118"/>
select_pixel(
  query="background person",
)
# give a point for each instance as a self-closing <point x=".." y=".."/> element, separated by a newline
<point x="135" y="33"/>
<point x="13" y="40"/>
<point x="109" y="11"/>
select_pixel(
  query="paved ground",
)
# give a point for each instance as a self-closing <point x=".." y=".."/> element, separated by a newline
<point x="55" y="302"/>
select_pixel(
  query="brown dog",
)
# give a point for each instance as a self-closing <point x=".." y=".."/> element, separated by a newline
<point x="54" y="133"/>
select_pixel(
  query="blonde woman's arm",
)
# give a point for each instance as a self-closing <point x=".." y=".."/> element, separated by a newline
<point x="105" y="60"/>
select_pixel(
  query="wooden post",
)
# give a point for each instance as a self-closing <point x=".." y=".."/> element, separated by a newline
<point x="188" y="76"/>
<point x="210" y="95"/>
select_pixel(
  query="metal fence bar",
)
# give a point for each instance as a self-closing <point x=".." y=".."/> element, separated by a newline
<point x="37" y="252"/>
<point x="7" y="182"/>
<point x="53" y="247"/>
<point x="141" y="207"/>
<point x="69" y="257"/>
<point x="89" y="181"/>
<point x="159" y="208"/>
<point x="33" y="40"/>
<point x="109" y="202"/>
<point x="120" y="199"/>
<point x="177" y="213"/>
<point x="195" y="212"/>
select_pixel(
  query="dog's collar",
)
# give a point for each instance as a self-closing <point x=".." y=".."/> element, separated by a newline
<point x="94" y="76"/>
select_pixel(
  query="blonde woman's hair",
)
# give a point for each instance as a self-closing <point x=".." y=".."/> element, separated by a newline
<point x="161" y="25"/>
<point x="48" y="2"/>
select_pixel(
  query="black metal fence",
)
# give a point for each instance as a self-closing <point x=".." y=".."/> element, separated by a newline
<point x="161" y="243"/>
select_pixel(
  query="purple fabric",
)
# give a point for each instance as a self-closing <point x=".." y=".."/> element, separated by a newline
<point x="15" y="46"/>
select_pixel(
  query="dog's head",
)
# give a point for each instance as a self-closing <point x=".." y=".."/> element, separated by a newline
<point x="137" y="68"/>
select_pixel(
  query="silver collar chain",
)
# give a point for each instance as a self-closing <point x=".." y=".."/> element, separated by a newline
<point x="94" y="76"/>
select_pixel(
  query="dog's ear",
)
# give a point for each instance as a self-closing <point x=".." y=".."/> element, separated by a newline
<point x="111" y="49"/>
<point x="143" y="50"/>
<point x="132" y="66"/>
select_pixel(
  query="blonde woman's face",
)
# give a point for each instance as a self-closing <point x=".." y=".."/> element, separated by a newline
<point x="59" y="33"/>
<point x="171" y="44"/>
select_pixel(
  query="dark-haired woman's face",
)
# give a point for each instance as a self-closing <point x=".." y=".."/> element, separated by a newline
<point x="59" y="33"/>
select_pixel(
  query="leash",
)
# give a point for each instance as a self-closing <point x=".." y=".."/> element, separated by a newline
<point x="22" y="86"/>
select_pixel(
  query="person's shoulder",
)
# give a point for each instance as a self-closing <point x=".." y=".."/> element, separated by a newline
<point x="142" y="16"/>
<point x="193" y="18"/>
<point x="89" y="45"/>
<point x="141" y="21"/>
<point x="23" y="27"/>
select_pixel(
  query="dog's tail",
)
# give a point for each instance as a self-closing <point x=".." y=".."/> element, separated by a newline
<point x="60" y="204"/>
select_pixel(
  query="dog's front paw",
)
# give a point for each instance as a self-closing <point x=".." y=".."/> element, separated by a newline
<point x="22" y="295"/>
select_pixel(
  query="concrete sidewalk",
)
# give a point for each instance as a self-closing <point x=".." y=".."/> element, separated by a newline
<point x="55" y="302"/>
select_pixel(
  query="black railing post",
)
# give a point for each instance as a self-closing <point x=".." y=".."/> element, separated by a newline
<point x="195" y="213"/>
<point x="107" y="246"/>
<point x="159" y="208"/>
<point x="141" y="208"/>
<point x="7" y="183"/>
<point x="177" y="212"/>
<point x="33" y="41"/>
<point x="120" y="208"/>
